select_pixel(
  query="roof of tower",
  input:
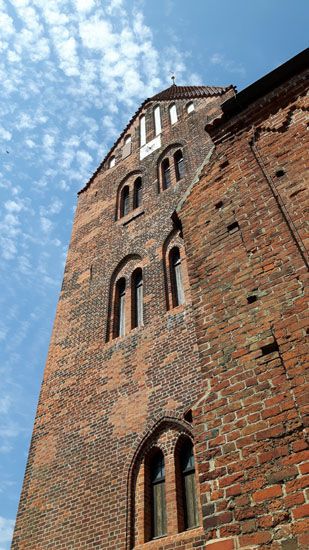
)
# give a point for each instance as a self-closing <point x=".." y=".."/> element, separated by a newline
<point x="188" y="92"/>
<point x="174" y="92"/>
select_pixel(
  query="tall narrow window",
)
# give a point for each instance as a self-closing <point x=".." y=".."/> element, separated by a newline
<point x="157" y="120"/>
<point x="166" y="174"/>
<point x="137" y="298"/>
<point x="157" y="473"/>
<point x="179" y="165"/>
<point x="178" y="296"/>
<point x="112" y="162"/>
<point x="124" y="201"/>
<point x="188" y="485"/>
<point x="142" y="130"/>
<point x="173" y="114"/>
<point x="119" y="311"/>
<point x="137" y="193"/>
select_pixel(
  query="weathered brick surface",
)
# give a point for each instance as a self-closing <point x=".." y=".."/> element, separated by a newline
<point x="234" y="353"/>
<point x="244" y="227"/>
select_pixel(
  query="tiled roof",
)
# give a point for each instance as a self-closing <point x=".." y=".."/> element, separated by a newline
<point x="188" y="92"/>
<point x="172" y="93"/>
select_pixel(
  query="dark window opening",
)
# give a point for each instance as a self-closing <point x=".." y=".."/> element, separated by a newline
<point x="119" y="310"/>
<point x="179" y="165"/>
<point x="218" y="205"/>
<point x="251" y="299"/>
<point x="166" y="174"/>
<point x="178" y="296"/>
<point x="125" y="201"/>
<point x="137" y="193"/>
<point x="158" y="502"/>
<point x="233" y="227"/>
<point x="137" y="298"/>
<point x="280" y="173"/>
<point x="188" y="489"/>
<point x="270" y="348"/>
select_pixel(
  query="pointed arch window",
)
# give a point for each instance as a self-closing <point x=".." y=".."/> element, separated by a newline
<point x="178" y="296"/>
<point x="137" y="298"/>
<point x="166" y="174"/>
<point x="119" y="310"/>
<point x="158" y="500"/>
<point x="137" y="193"/>
<point x="179" y="165"/>
<point x="189" y="495"/>
<point x="125" y="201"/>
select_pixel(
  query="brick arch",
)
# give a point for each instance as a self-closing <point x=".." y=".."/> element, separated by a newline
<point x="125" y="181"/>
<point x="174" y="239"/>
<point x="146" y="443"/>
<point x="172" y="147"/>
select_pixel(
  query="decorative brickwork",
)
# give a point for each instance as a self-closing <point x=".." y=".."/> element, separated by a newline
<point x="225" y="368"/>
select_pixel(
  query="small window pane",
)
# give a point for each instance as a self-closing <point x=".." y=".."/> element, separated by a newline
<point x="179" y="165"/>
<point x="112" y="162"/>
<point x="176" y="278"/>
<point x="120" y="308"/>
<point x="166" y="174"/>
<point x="137" y="197"/>
<point x="157" y="470"/>
<point x="125" y="201"/>
<point x="137" y="298"/>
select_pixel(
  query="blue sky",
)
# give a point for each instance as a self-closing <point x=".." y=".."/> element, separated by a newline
<point x="72" y="72"/>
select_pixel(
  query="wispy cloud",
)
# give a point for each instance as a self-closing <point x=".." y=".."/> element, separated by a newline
<point x="230" y="65"/>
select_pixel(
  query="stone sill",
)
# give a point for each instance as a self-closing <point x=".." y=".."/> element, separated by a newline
<point x="131" y="216"/>
<point x="160" y="542"/>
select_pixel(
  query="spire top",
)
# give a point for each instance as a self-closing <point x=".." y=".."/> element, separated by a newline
<point x="173" y="79"/>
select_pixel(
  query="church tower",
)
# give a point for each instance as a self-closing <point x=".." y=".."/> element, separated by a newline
<point x="174" y="405"/>
<point x="113" y="427"/>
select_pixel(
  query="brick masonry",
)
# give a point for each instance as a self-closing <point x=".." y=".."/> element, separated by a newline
<point x="234" y="354"/>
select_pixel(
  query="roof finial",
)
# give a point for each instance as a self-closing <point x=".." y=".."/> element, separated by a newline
<point x="173" y="79"/>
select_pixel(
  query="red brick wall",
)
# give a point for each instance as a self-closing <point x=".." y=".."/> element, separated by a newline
<point x="100" y="398"/>
<point x="244" y="231"/>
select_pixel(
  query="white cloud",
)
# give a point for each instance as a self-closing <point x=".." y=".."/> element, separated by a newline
<point x="6" y="529"/>
<point x="46" y="224"/>
<point x="84" y="6"/>
<point x="5" y="134"/>
<point x="13" y="206"/>
<point x="227" y="64"/>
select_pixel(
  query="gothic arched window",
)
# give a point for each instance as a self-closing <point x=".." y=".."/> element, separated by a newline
<point x="137" y="298"/>
<point x="125" y="201"/>
<point x="119" y="309"/>
<point x="158" y="501"/>
<point x="166" y="174"/>
<point x="178" y="296"/>
<point x="137" y="193"/>
<point x="188" y="489"/>
<point x="179" y="165"/>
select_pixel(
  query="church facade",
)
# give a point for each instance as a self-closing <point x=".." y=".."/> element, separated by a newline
<point x="172" y="412"/>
